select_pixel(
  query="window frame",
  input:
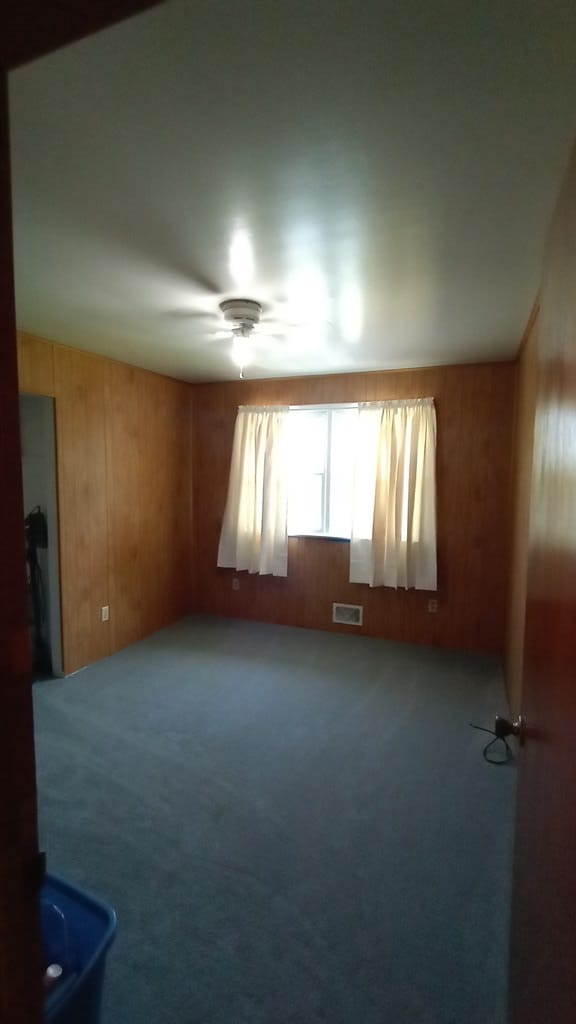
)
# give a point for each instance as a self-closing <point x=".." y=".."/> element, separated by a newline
<point x="326" y="408"/>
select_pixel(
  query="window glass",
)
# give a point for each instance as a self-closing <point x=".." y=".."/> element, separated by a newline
<point x="321" y="446"/>
<point x="343" y="441"/>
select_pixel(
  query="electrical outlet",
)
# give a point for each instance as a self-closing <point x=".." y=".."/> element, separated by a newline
<point x="105" y="613"/>
<point x="235" y="583"/>
<point x="432" y="605"/>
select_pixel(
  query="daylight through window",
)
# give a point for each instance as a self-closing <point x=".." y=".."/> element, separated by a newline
<point x="321" y="445"/>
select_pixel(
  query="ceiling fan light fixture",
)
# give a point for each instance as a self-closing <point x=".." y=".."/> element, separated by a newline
<point x="241" y="353"/>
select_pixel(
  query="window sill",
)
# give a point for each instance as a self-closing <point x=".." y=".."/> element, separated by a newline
<point x="318" y="536"/>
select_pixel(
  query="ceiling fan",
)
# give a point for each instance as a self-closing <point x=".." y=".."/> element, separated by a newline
<point x="257" y="334"/>
<point x="245" y="321"/>
<point x="257" y="330"/>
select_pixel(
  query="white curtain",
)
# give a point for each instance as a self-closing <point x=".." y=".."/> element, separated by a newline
<point x="393" y="542"/>
<point x="255" y="527"/>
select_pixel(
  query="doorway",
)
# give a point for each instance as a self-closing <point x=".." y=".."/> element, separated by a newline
<point x="39" y="489"/>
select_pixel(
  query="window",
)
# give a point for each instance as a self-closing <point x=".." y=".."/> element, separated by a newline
<point x="365" y="472"/>
<point x="321" y="444"/>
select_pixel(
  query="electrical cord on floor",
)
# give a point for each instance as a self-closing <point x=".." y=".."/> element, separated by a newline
<point x="508" y="755"/>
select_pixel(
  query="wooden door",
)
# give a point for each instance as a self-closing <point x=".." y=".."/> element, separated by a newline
<point x="28" y="28"/>
<point x="543" y="943"/>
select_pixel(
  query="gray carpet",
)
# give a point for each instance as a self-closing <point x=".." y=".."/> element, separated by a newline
<point x="294" y="827"/>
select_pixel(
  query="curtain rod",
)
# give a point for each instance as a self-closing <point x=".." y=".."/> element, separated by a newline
<point x="325" y="405"/>
<point x="355" y="405"/>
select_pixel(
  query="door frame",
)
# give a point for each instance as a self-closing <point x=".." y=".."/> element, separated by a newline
<point x="28" y="29"/>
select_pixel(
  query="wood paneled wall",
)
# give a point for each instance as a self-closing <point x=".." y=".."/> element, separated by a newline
<point x="35" y="365"/>
<point x="475" y="407"/>
<point x="124" y="495"/>
<point x="149" y="507"/>
<point x="80" y="391"/>
<point x="526" y="392"/>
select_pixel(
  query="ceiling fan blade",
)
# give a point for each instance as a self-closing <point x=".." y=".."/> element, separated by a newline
<point x="271" y="329"/>
<point x="204" y="282"/>
<point x="274" y="321"/>
<point x="189" y="314"/>
<point x="268" y="341"/>
<point x="285" y="321"/>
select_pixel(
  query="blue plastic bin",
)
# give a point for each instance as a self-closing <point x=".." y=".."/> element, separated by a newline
<point x="77" y="931"/>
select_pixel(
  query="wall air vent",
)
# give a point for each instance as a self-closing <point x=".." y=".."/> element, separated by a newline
<point x="348" y="614"/>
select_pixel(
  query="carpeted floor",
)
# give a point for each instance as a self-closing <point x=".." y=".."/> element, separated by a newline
<point x="294" y="827"/>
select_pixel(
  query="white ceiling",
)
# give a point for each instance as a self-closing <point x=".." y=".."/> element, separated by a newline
<point x="390" y="166"/>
